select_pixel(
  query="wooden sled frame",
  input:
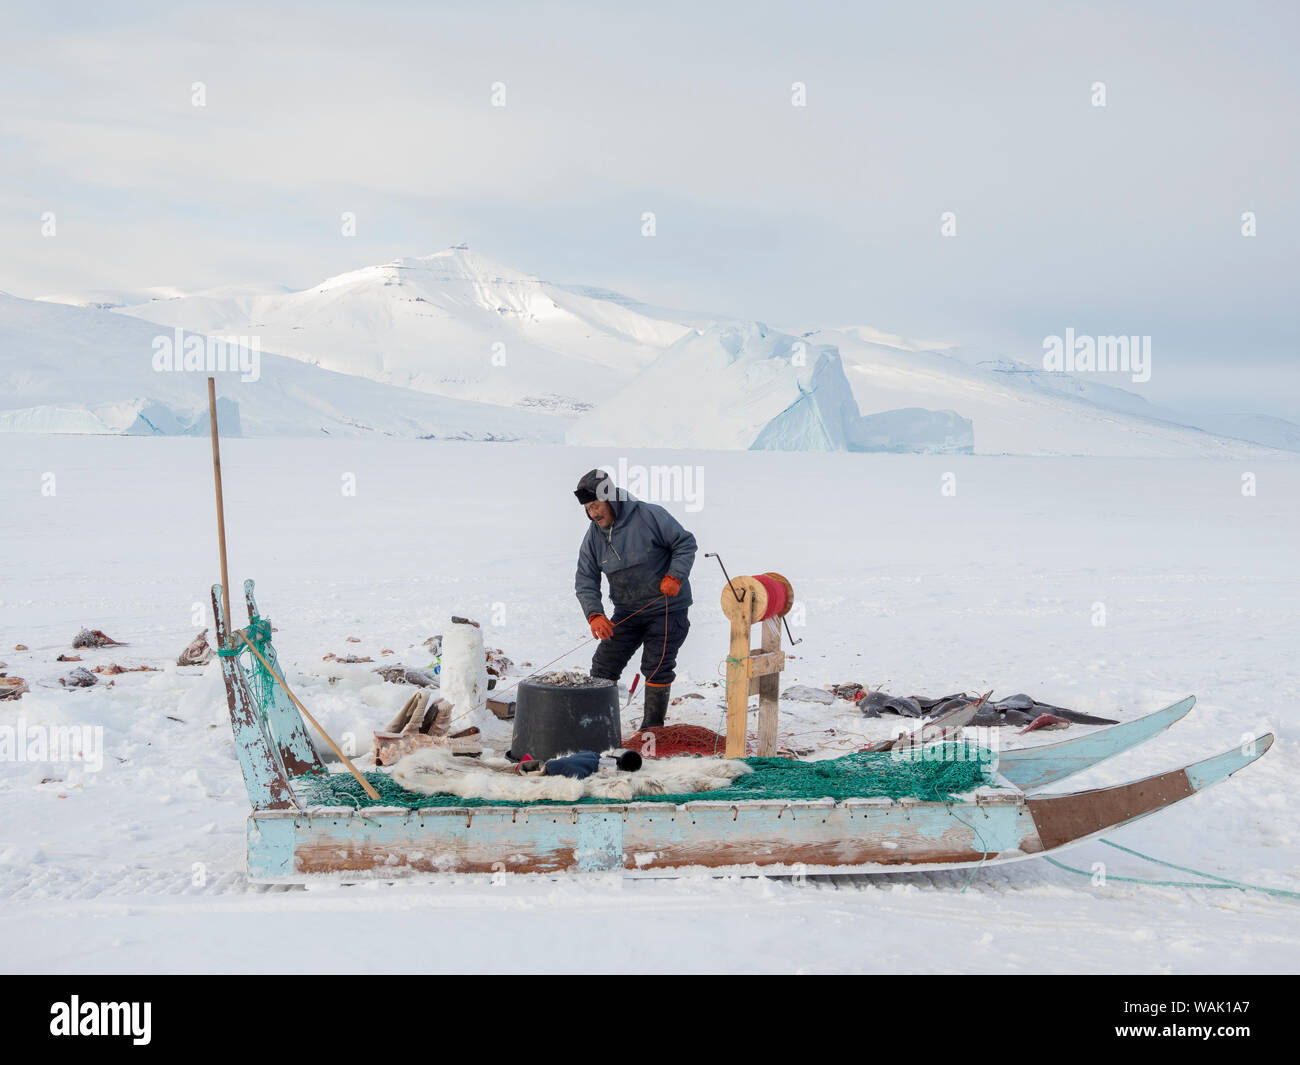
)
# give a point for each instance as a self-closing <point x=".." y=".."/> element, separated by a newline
<point x="270" y="736"/>
<point x="291" y="843"/>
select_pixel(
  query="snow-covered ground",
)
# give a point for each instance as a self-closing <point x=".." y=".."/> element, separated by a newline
<point x="140" y="866"/>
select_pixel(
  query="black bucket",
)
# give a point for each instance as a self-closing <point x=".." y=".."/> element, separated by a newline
<point x="554" y="719"/>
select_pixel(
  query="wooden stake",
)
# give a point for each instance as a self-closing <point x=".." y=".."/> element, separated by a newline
<point x="221" y="510"/>
<point x="365" y="784"/>
<point x="741" y="610"/>
<point x="737" y="690"/>
<point x="769" y="688"/>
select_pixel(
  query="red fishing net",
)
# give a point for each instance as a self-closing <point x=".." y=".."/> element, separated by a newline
<point x="676" y="739"/>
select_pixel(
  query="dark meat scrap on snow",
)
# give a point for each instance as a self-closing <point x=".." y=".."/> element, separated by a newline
<point x="197" y="652"/>
<point x="421" y="678"/>
<point x="873" y="704"/>
<point x="1017" y="709"/>
<point x="95" y="638"/>
<point x="805" y="693"/>
<point x="79" y="678"/>
<point x="497" y="662"/>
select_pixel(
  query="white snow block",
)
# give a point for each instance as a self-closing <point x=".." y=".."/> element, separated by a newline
<point x="464" y="673"/>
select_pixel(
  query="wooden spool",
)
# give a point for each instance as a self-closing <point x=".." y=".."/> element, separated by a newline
<point x="753" y="670"/>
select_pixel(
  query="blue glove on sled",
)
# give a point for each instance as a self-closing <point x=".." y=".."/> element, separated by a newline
<point x="578" y="766"/>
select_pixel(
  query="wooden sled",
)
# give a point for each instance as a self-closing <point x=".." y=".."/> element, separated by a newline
<point x="290" y="842"/>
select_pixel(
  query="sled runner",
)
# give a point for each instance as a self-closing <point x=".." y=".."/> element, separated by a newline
<point x="1030" y="768"/>
<point x="291" y="840"/>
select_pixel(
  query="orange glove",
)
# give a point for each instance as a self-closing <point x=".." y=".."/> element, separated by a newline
<point x="601" y="628"/>
<point x="670" y="586"/>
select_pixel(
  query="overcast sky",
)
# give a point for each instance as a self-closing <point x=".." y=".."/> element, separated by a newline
<point x="1122" y="219"/>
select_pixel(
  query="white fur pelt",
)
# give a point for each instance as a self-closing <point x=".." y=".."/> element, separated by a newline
<point x="436" y="771"/>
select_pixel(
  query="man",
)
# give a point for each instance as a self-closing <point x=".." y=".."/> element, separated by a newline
<point x="646" y="556"/>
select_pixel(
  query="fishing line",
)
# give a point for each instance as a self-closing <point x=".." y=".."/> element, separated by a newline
<point x="498" y="692"/>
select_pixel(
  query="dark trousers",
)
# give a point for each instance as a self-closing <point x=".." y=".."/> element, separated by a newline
<point x="658" y="635"/>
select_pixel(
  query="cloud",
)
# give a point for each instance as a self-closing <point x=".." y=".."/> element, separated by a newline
<point x="1128" y="214"/>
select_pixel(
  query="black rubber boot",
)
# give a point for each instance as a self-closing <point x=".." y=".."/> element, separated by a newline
<point x="656" y="705"/>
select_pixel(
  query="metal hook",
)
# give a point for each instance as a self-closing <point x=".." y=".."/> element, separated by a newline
<point x="793" y="641"/>
<point x="740" y="596"/>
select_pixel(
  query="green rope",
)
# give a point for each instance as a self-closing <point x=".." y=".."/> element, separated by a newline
<point x="984" y="851"/>
<point x="1223" y="882"/>
<point x="258" y="676"/>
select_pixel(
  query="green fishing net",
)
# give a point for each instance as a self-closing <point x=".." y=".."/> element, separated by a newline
<point x="937" y="773"/>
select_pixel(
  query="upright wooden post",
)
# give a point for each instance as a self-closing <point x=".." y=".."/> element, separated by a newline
<point x="221" y="510"/>
<point x="769" y="688"/>
<point x="741" y="615"/>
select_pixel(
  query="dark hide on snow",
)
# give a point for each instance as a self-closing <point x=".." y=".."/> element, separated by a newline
<point x="1018" y="709"/>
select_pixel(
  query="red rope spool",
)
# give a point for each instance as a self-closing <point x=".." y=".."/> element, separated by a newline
<point x="776" y="595"/>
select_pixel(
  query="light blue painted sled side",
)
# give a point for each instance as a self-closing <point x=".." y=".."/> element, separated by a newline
<point x="1209" y="772"/>
<point x="997" y="823"/>
<point x="279" y="715"/>
<point x="714" y="838"/>
<point x="263" y="768"/>
<point x="1064" y="820"/>
<point x="1030" y="768"/>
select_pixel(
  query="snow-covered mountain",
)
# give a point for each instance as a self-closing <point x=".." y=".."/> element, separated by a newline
<point x="68" y="369"/>
<point x="112" y="299"/>
<point x="454" y="324"/>
<point x="1019" y="410"/>
<point x="599" y="367"/>
<point x="740" y="386"/>
<point x="1260" y="428"/>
